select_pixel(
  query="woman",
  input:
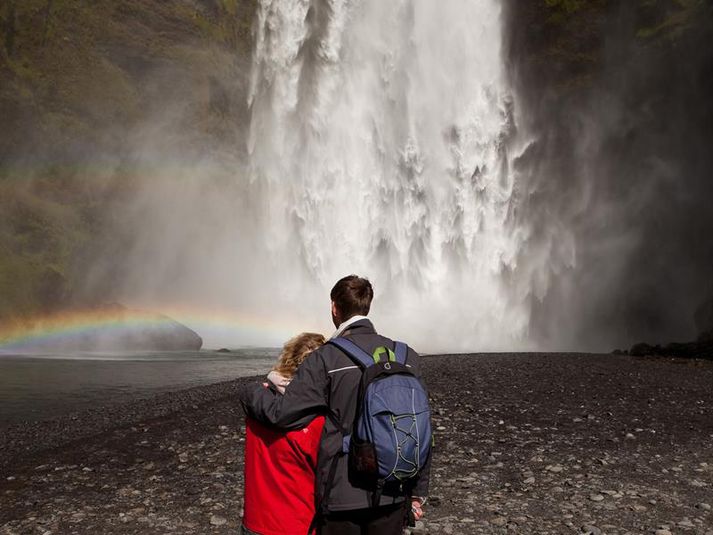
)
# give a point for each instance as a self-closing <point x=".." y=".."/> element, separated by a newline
<point x="280" y="467"/>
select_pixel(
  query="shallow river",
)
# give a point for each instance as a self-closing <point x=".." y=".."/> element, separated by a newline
<point x="44" y="386"/>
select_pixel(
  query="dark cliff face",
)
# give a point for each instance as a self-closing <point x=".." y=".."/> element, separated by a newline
<point x="616" y="96"/>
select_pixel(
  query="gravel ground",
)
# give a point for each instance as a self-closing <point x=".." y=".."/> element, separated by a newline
<point x="525" y="443"/>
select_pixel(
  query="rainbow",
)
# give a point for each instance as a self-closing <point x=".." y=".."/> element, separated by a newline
<point x="223" y="326"/>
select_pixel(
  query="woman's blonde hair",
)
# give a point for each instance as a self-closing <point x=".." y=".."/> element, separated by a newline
<point x="295" y="351"/>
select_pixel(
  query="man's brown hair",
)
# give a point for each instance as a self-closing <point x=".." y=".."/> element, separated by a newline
<point x="352" y="295"/>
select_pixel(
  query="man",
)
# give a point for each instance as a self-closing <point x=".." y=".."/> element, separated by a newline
<point x="327" y="383"/>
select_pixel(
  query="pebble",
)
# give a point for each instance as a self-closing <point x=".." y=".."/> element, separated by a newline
<point x="703" y="506"/>
<point x="662" y="532"/>
<point x="588" y="529"/>
<point x="596" y="497"/>
<point x="217" y="520"/>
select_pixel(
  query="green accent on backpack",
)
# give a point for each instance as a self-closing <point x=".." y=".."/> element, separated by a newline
<point x="380" y="351"/>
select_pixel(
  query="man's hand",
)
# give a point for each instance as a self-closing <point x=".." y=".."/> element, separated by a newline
<point x="416" y="508"/>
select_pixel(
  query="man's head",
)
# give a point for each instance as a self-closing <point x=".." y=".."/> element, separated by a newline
<point x="351" y="296"/>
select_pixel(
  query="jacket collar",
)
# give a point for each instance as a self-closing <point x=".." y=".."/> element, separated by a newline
<point x="355" y="325"/>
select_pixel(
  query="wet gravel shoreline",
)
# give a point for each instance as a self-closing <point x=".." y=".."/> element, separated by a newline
<point x="21" y="441"/>
<point x="525" y="443"/>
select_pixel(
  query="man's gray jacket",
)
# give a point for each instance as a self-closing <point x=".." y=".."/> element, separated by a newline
<point x="327" y="383"/>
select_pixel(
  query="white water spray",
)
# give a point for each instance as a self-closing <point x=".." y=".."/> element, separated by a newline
<point x="379" y="145"/>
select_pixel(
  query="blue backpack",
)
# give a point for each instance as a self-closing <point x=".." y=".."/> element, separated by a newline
<point x="391" y="436"/>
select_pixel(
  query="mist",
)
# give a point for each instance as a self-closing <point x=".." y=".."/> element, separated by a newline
<point x="495" y="204"/>
<point x="368" y="150"/>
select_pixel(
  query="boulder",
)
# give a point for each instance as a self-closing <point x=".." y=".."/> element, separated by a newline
<point x="700" y="349"/>
<point x="161" y="333"/>
<point x="109" y="328"/>
<point x="643" y="349"/>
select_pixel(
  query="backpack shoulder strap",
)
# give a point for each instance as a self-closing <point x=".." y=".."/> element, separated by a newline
<point x="356" y="353"/>
<point x="401" y="352"/>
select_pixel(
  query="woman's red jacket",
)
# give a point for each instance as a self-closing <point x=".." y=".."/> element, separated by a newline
<point x="279" y="478"/>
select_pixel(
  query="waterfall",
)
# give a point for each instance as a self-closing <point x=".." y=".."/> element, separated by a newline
<point x="381" y="140"/>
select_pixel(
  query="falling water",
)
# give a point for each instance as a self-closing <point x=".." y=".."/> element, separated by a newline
<point x="380" y="143"/>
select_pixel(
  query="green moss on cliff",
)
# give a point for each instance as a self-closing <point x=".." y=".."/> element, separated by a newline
<point x="79" y="79"/>
<point x="670" y="19"/>
<point x="41" y="229"/>
<point x="563" y="44"/>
